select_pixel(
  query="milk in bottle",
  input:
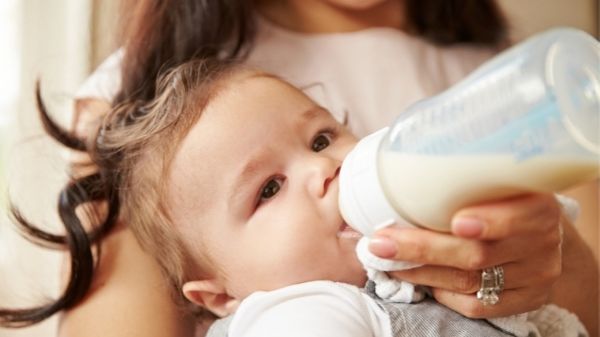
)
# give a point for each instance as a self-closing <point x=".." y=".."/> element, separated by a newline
<point x="526" y="121"/>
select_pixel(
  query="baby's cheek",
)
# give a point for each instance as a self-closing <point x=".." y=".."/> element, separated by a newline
<point x="301" y="263"/>
<point x="271" y="266"/>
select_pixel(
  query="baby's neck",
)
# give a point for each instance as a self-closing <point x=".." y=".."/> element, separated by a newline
<point x="318" y="16"/>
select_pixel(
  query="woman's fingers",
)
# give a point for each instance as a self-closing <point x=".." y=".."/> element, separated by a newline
<point x="524" y="227"/>
<point x="422" y="246"/>
<point x="520" y="216"/>
<point x="527" y="286"/>
<point x="433" y="248"/>
<point x="539" y="271"/>
<point x="451" y="279"/>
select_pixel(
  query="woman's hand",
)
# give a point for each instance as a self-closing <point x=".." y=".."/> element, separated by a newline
<point x="522" y="234"/>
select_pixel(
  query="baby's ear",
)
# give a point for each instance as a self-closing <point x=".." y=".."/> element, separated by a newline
<point x="211" y="295"/>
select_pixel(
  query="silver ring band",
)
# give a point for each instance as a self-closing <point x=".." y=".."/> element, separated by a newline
<point x="499" y="272"/>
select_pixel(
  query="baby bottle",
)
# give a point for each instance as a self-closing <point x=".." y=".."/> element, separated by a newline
<point x="526" y="121"/>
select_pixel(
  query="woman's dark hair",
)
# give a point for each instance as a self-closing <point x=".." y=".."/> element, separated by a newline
<point x="159" y="35"/>
<point x="162" y="34"/>
<point x="457" y="21"/>
<point x="79" y="192"/>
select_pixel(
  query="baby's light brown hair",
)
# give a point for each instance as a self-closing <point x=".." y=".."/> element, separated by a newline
<point x="140" y="143"/>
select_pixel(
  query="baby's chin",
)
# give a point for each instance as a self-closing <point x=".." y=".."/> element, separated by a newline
<point x="353" y="274"/>
<point x="358" y="279"/>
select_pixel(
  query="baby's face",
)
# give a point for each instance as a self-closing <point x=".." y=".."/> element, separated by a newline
<point x="255" y="184"/>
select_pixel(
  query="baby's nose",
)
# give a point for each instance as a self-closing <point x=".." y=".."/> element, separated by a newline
<point x="322" y="173"/>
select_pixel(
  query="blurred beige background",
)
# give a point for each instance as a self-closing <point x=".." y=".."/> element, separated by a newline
<point x="63" y="40"/>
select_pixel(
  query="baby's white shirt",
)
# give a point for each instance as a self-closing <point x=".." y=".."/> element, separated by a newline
<point x="318" y="308"/>
<point x="327" y="308"/>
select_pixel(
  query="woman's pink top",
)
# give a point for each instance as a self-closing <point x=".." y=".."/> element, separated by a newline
<point x="365" y="78"/>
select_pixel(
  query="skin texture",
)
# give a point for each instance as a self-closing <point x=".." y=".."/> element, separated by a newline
<point x="282" y="215"/>
<point x="119" y="304"/>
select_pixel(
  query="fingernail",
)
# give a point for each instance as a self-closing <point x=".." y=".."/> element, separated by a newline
<point x="383" y="247"/>
<point x="467" y="227"/>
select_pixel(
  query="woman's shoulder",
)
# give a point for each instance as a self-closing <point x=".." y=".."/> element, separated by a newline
<point x="129" y="297"/>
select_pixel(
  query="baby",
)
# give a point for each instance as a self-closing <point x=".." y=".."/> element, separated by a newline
<point x="229" y="178"/>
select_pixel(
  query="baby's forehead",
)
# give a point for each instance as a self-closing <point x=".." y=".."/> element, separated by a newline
<point x="250" y="75"/>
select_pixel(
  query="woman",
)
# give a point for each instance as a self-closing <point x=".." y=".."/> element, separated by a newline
<point x="343" y="52"/>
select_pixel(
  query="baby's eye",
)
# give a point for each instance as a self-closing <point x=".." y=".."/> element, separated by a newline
<point x="321" y="141"/>
<point x="270" y="189"/>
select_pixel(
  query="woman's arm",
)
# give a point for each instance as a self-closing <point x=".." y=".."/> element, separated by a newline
<point x="129" y="296"/>
<point x="577" y="288"/>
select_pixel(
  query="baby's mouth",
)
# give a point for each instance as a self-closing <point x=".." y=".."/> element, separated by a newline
<point x="347" y="232"/>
